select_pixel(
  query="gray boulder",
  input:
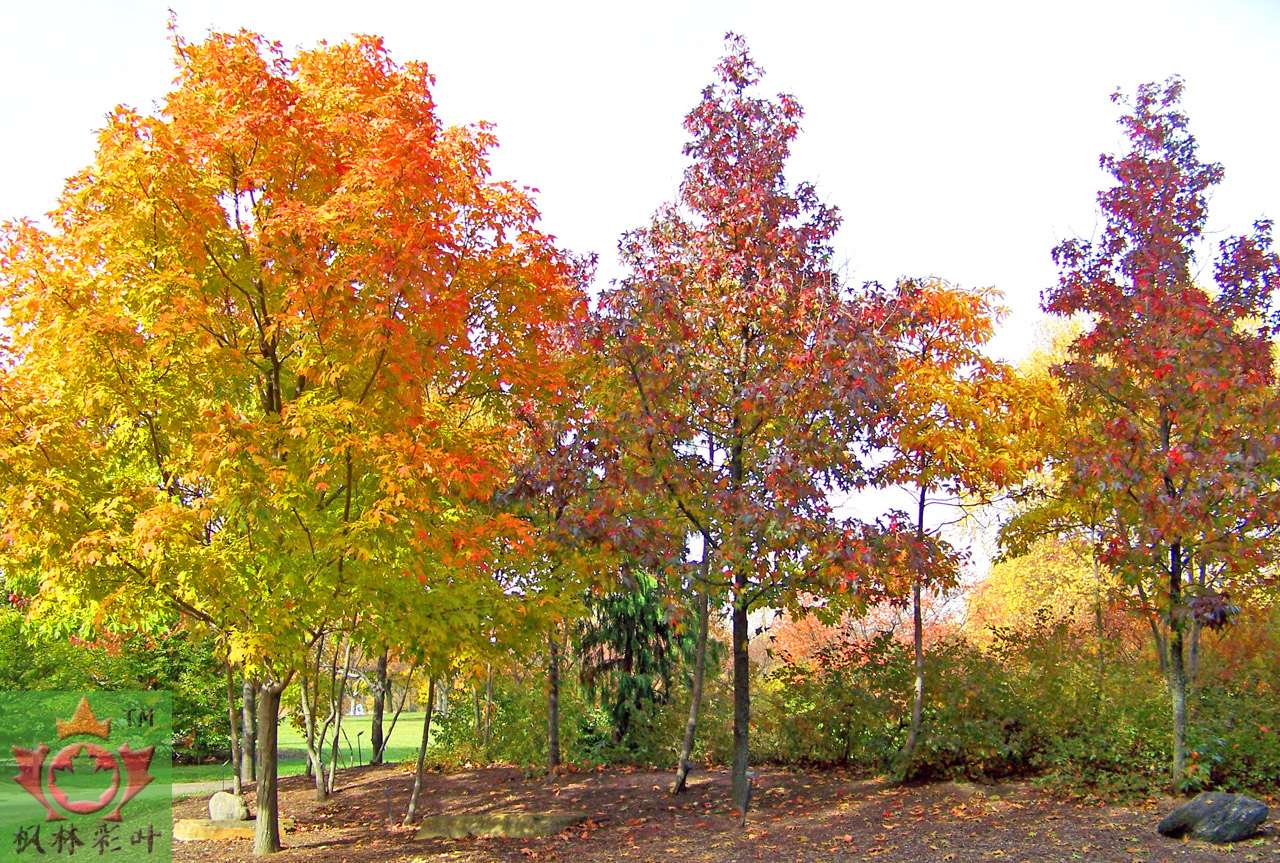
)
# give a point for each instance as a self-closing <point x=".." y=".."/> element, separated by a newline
<point x="1215" y="817"/>
<point x="224" y="806"/>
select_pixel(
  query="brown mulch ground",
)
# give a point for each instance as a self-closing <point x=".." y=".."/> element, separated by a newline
<point x="809" y="816"/>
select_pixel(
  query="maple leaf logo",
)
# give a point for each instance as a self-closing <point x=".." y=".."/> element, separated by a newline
<point x="60" y="785"/>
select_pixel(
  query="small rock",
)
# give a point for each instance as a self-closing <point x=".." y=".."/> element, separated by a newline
<point x="224" y="806"/>
<point x="1215" y="817"/>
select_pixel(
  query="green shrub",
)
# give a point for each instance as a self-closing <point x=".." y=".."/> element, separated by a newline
<point x="1038" y="701"/>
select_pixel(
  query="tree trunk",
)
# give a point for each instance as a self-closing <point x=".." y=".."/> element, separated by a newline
<point x="317" y="733"/>
<point x="337" y="728"/>
<point x="412" y="813"/>
<point x="1193" y="652"/>
<point x="379" y="708"/>
<point x="315" y="766"/>
<point x="1155" y="622"/>
<point x="1177" y="672"/>
<point x="1162" y="644"/>
<point x="917" y="644"/>
<point x="488" y="708"/>
<point x="266" y="838"/>
<point x="741" y="694"/>
<point x="443" y="687"/>
<point x="699" y="675"/>
<point x="1099" y="630"/>
<point x="233" y="719"/>
<point x="553" y="704"/>
<point x="395" y="717"/>
<point x="917" y="701"/>
<point x="249" y="738"/>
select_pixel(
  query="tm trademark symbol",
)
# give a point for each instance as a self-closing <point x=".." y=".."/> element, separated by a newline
<point x="137" y="717"/>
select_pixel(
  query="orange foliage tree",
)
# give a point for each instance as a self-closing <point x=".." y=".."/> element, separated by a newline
<point x="265" y="359"/>
<point x="959" y="424"/>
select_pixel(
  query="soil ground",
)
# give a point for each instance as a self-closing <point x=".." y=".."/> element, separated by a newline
<point x="795" y="815"/>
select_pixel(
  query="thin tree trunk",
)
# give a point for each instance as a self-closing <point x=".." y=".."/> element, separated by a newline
<point x="1162" y="645"/>
<point x="411" y="814"/>
<point x="249" y="739"/>
<point x="233" y="720"/>
<point x="1177" y="672"/>
<point x="379" y="708"/>
<point x="917" y="699"/>
<point x="266" y="838"/>
<point x="917" y="643"/>
<point x="321" y="735"/>
<point x="395" y="717"/>
<point x="488" y="708"/>
<point x="1099" y="631"/>
<point x="315" y="766"/>
<point x="443" y="687"/>
<point x="553" y="704"/>
<point x="741" y="693"/>
<point x="1153" y="621"/>
<point x="1193" y="653"/>
<point x="314" y="736"/>
<point x="684" y="765"/>
<point x="337" y="728"/>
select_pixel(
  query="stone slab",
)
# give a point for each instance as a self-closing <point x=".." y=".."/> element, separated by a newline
<point x="509" y="825"/>
<point x="208" y="830"/>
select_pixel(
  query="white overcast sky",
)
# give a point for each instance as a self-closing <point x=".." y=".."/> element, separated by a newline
<point x="957" y="139"/>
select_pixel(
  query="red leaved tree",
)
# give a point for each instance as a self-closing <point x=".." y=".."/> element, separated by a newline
<point x="1182" y="449"/>
<point x="746" y="374"/>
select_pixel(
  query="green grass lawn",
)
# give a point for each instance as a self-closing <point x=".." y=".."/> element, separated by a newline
<point x="353" y="750"/>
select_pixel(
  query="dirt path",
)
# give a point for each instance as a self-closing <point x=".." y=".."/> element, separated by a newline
<point x="802" y="816"/>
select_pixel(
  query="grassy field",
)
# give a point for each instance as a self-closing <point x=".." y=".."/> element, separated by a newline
<point x="354" y="748"/>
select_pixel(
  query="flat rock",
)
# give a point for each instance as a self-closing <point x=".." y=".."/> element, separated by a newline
<point x="206" y="829"/>
<point x="1216" y="817"/>
<point x="225" y="806"/>
<point x="509" y="825"/>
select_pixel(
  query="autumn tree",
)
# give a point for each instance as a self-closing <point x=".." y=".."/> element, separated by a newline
<point x="266" y="356"/>
<point x="1181" y="454"/>
<point x="744" y="369"/>
<point x="586" y="525"/>
<point x="1053" y="577"/>
<point x="961" y="426"/>
<point x="1050" y="530"/>
<point x="467" y="616"/>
